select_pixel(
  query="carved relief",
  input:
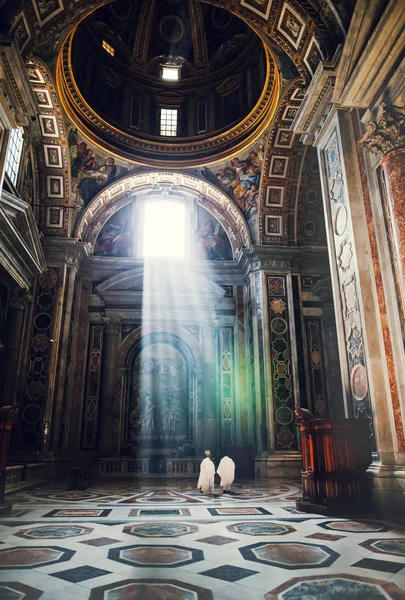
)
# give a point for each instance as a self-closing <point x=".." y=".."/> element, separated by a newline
<point x="387" y="133"/>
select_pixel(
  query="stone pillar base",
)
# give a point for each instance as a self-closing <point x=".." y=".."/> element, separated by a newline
<point x="388" y="491"/>
<point x="279" y="465"/>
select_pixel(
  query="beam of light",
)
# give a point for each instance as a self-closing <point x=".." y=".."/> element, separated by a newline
<point x="175" y="298"/>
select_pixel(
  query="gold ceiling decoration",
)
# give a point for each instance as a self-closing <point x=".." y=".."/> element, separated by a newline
<point x="151" y="150"/>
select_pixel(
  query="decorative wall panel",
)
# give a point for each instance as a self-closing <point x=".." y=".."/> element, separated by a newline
<point x="280" y="352"/>
<point x="226" y="386"/>
<point x="345" y="269"/>
<point x="93" y="388"/>
<point x="317" y="366"/>
<point x="34" y="430"/>
<point x="251" y="365"/>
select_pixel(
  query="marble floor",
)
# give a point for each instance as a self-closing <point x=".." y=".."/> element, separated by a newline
<point x="158" y="538"/>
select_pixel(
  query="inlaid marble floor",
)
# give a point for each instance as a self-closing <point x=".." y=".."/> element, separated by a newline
<point x="158" y="538"/>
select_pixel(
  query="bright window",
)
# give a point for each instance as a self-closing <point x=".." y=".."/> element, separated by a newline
<point x="13" y="156"/>
<point x="168" y="121"/>
<point x="108" y="48"/>
<point x="164" y="229"/>
<point x="171" y="73"/>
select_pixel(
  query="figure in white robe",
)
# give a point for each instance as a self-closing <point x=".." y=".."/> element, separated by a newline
<point x="226" y="471"/>
<point x="206" y="480"/>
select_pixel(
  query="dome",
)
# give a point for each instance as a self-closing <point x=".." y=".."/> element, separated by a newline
<point x="153" y="79"/>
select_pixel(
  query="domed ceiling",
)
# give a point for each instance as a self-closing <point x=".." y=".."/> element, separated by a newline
<point x="168" y="82"/>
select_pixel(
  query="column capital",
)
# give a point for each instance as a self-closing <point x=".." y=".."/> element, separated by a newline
<point x="112" y="325"/>
<point x="387" y="132"/>
<point x="19" y="298"/>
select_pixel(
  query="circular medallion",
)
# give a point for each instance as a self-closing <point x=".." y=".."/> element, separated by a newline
<point x="171" y="29"/>
<point x="277" y="306"/>
<point x="279" y="326"/>
<point x="43" y="321"/>
<point x="227" y="410"/>
<point x="311" y="197"/>
<point x="32" y="413"/>
<point x="309" y="228"/>
<point x="48" y="279"/>
<point x="316" y="357"/>
<point x="358" y="382"/>
<point x="121" y="9"/>
<point x="340" y="220"/>
<point x="221" y="18"/>
<point x="320" y="407"/>
<point x="284" y="415"/>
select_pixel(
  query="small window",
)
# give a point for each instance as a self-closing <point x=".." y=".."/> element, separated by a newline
<point x="108" y="48"/>
<point x="171" y="73"/>
<point x="168" y="121"/>
<point x="13" y="156"/>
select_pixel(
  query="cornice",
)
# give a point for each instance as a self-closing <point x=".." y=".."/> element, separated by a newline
<point x="60" y="251"/>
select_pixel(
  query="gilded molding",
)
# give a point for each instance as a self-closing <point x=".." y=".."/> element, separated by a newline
<point x="387" y="132"/>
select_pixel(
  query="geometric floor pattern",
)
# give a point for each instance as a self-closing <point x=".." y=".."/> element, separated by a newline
<point x="152" y="538"/>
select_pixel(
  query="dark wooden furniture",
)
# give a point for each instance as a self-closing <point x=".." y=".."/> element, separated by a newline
<point x="335" y="457"/>
<point x="8" y="416"/>
<point x="79" y="478"/>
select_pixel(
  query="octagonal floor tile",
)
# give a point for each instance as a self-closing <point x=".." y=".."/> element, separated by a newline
<point x="30" y="557"/>
<point x="54" y="532"/>
<point x="150" y="589"/>
<point x="290" y="555"/>
<point x="160" y="529"/>
<point x="156" y="556"/>
<point x="260" y="528"/>
<point x="394" y="546"/>
<point x="354" y="526"/>
<point x="333" y="587"/>
<point x="12" y="590"/>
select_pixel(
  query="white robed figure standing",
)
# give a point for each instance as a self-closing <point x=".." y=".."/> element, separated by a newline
<point x="206" y="480"/>
<point x="226" y="471"/>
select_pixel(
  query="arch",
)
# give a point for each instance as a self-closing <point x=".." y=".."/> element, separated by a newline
<point x="120" y="193"/>
<point x="127" y="345"/>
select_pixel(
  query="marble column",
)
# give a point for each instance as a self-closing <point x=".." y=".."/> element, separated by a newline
<point x="18" y="300"/>
<point x="209" y="434"/>
<point x="111" y="343"/>
<point x="386" y="138"/>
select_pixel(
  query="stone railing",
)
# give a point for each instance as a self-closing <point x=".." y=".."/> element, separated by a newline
<point x="110" y="467"/>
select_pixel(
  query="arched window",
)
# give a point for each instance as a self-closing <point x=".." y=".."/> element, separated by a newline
<point x="164" y="231"/>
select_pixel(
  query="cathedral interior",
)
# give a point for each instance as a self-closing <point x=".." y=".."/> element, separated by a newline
<point x="202" y="251"/>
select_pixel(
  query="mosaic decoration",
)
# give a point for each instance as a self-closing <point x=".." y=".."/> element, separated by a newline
<point x="238" y="511"/>
<point x="160" y="529"/>
<point x="91" y="170"/>
<point x="212" y="241"/>
<point x="240" y="179"/>
<point x="260" y="528"/>
<point x="395" y="546"/>
<point x="226" y="385"/>
<point x="150" y="589"/>
<point x="55" y="212"/>
<point x="348" y="283"/>
<point x="30" y="557"/>
<point x="354" y="526"/>
<point x="331" y="587"/>
<point x="313" y="328"/>
<point x="156" y="556"/>
<point x="34" y="422"/>
<point x="290" y="555"/>
<point x="116" y="238"/>
<point x="49" y="532"/>
<point x="251" y="368"/>
<point x="93" y="386"/>
<point x="11" y="590"/>
<point x="280" y="348"/>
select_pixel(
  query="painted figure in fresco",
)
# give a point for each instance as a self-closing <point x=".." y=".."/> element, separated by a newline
<point x="206" y="479"/>
<point x="241" y="179"/>
<point x="94" y="181"/>
<point x="214" y="242"/>
<point x="226" y="471"/>
<point x="114" y="239"/>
